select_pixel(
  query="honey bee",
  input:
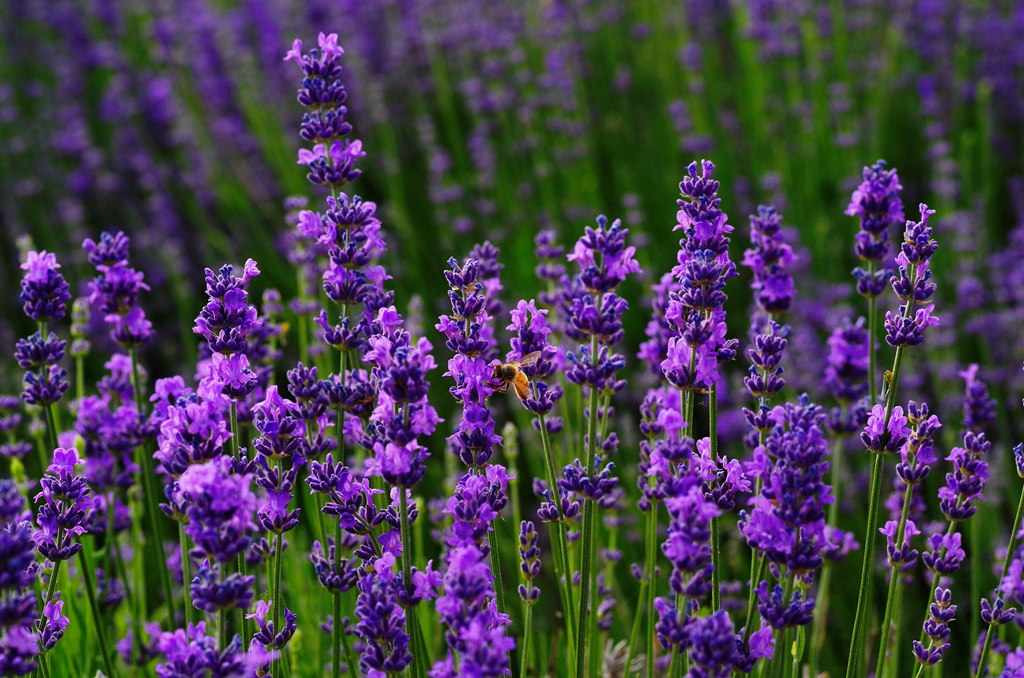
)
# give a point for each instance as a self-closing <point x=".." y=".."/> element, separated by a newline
<point x="511" y="373"/>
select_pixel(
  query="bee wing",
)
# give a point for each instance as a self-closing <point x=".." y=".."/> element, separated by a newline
<point x="530" y="359"/>
<point x="522" y="386"/>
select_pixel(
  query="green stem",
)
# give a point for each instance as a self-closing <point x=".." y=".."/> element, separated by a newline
<point x="874" y="501"/>
<point x="186" y="574"/>
<point x="798" y="652"/>
<point x="406" y="533"/>
<point x="97" y="621"/>
<point x="559" y="542"/>
<point x="649" y="566"/>
<point x="586" y="564"/>
<point x="499" y="584"/>
<point x="1010" y="548"/>
<point x="234" y="429"/>
<point x="524" y="666"/>
<point x="890" y="599"/>
<point x="872" y="332"/>
<point x="338" y="629"/>
<point x="350" y="659"/>
<point x="778" y="659"/>
<point x="716" y="556"/>
<point x="146" y="471"/>
<point x="52" y="585"/>
<point x="825" y="585"/>
<point x="276" y="592"/>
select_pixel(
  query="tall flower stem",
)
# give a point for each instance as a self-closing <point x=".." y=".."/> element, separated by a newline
<point x="149" y="489"/>
<point x="652" y="559"/>
<point x="524" y="666"/>
<point x="894" y="574"/>
<point x="499" y="585"/>
<point x="186" y="572"/>
<point x="872" y="334"/>
<point x="97" y="620"/>
<point x="52" y="585"/>
<point x="234" y="429"/>
<point x="410" y="612"/>
<point x="276" y="592"/>
<point x="587" y="556"/>
<point x="874" y="501"/>
<point x="716" y="556"/>
<point x="243" y="567"/>
<point x="338" y="628"/>
<point x="560" y="544"/>
<point x="1010" y="549"/>
<point x="825" y="585"/>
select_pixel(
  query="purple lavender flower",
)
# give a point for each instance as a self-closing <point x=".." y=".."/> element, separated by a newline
<point x="332" y="161"/>
<point x="846" y="375"/>
<point x="219" y="506"/>
<point x="193" y="430"/>
<point x="267" y="636"/>
<point x="52" y="625"/>
<point x="64" y="509"/>
<point x="44" y="292"/>
<point x="882" y="438"/>
<point x="529" y="562"/>
<point x="190" y="651"/>
<point x="18" y="641"/>
<point x="688" y="544"/>
<point x="764" y="378"/>
<point x="469" y="337"/>
<point x="531" y="332"/>
<point x="695" y="312"/>
<point x="45" y="380"/>
<point x="913" y="285"/>
<point x="876" y="204"/>
<point x="381" y="620"/>
<point x="979" y="408"/>
<point x="769" y="259"/>
<point x="936" y="628"/>
<point x="280" y="441"/>
<point x="964" y="485"/>
<point x="227" y="317"/>
<point x="115" y="290"/>
<point x="714" y="646"/>
<point x="475" y="631"/>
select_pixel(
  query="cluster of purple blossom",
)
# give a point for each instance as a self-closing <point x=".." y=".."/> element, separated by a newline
<point x="235" y="453"/>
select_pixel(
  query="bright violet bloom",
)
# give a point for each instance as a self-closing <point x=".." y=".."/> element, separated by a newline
<point x="64" y="509"/>
<point x="115" y="290"/>
<point x="44" y="292"/>
<point x="696" y="311"/>
<point x="876" y="204"/>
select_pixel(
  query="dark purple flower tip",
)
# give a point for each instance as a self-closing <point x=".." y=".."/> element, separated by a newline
<point x="996" y="613"/>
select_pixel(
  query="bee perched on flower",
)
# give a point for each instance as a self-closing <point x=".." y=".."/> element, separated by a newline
<point x="511" y="374"/>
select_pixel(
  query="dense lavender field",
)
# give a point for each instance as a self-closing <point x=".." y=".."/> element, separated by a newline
<point x="328" y="361"/>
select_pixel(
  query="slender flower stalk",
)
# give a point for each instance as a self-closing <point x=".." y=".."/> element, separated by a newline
<point x="913" y="285"/>
<point x="531" y="332"/>
<point x="989" y="616"/>
<point x="916" y="458"/>
<point x="878" y="208"/>
<point x="979" y="410"/>
<point x="594" y="313"/>
<point x="529" y="593"/>
<point x="44" y="296"/>
<point x="696" y="311"/>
